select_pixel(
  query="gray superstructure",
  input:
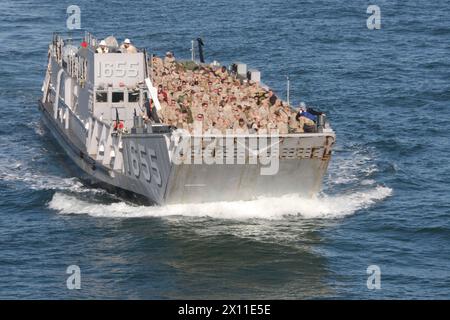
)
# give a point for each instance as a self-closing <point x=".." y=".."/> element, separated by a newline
<point x="86" y="93"/>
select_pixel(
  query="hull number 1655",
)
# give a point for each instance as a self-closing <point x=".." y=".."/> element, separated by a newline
<point x="142" y="160"/>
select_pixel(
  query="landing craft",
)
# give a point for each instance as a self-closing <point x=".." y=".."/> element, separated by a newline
<point x="94" y="105"/>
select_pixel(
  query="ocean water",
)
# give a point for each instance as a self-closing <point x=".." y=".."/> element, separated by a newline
<point x="385" y="199"/>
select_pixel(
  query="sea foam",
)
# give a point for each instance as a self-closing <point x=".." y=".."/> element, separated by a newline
<point x="323" y="206"/>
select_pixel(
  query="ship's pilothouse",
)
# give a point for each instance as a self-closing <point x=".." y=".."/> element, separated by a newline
<point x="119" y="87"/>
<point x="109" y="87"/>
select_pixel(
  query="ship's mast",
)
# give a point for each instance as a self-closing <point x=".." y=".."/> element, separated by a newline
<point x="288" y="90"/>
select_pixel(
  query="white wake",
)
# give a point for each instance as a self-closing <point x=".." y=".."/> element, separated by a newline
<point x="262" y="208"/>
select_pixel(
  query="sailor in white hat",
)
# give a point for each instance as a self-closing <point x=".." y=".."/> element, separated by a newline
<point x="127" y="47"/>
<point x="169" y="58"/>
<point x="103" y="48"/>
<point x="302" y="107"/>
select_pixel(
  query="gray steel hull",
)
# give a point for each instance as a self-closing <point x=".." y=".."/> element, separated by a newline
<point x="149" y="172"/>
<point x="207" y="183"/>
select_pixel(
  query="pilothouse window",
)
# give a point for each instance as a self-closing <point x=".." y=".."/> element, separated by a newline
<point x="133" y="96"/>
<point x="117" y="97"/>
<point x="101" y="96"/>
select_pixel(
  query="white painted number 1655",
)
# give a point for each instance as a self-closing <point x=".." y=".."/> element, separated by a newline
<point x="142" y="160"/>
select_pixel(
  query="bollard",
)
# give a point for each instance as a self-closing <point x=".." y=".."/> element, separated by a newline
<point x="320" y="123"/>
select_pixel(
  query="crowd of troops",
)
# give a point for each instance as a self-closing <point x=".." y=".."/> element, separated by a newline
<point x="210" y="99"/>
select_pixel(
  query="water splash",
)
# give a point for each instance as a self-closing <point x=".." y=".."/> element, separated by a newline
<point x="262" y="208"/>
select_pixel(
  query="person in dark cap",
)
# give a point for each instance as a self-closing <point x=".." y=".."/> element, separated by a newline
<point x="151" y="111"/>
<point x="272" y="97"/>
